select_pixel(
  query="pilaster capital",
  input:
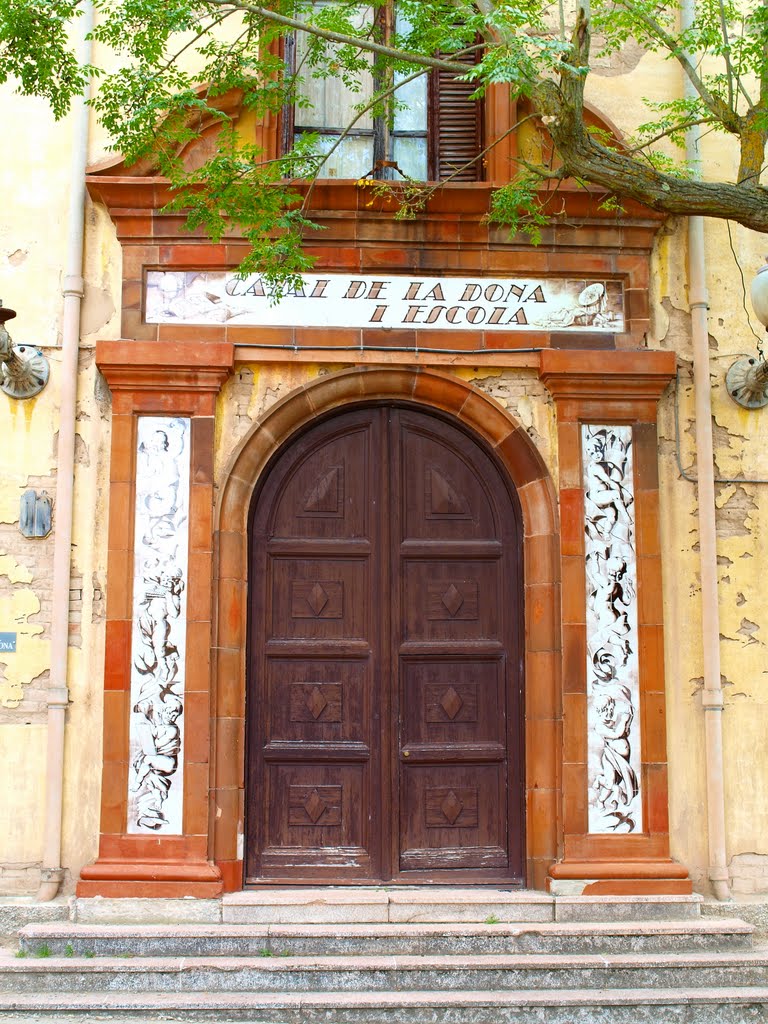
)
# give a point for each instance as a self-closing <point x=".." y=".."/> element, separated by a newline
<point x="613" y="386"/>
<point x="165" y="366"/>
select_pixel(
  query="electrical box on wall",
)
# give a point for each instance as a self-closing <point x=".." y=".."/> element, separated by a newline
<point x="36" y="514"/>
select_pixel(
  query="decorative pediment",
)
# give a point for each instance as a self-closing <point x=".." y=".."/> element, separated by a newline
<point x="193" y="153"/>
<point x="140" y="186"/>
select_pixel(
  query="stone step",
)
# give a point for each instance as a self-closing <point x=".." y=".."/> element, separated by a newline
<point x="17" y="911"/>
<point x="379" y="905"/>
<point x="381" y="973"/>
<point x="443" y="906"/>
<point x="565" y="1006"/>
<point x="385" y="939"/>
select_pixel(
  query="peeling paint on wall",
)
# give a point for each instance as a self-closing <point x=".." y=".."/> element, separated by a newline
<point x="13" y="572"/>
<point x="19" y="603"/>
<point x="734" y="506"/>
<point x="748" y="630"/>
<point x="523" y="395"/>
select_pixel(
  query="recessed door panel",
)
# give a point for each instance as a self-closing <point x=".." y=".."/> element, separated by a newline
<point x="451" y="600"/>
<point x="325" y="495"/>
<point x="453" y="816"/>
<point x="318" y="809"/>
<point x="444" y="496"/>
<point x="325" y="701"/>
<point x="320" y="598"/>
<point x="453" y="701"/>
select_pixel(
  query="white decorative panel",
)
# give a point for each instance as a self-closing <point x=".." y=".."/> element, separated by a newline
<point x="612" y="639"/>
<point x="387" y="301"/>
<point x="158" y="647"/>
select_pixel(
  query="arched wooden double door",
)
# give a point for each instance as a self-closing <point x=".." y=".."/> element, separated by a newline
<point x="384" y="693"/>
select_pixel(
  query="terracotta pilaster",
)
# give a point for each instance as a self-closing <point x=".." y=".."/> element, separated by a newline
<point x="154" y="379"/>
<point x="622" y="389"/>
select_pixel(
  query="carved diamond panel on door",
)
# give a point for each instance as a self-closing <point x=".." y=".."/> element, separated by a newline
<point x="453" y="818"/>
<point x="315" y="598"/>
<point x="455" y="703"/>
<point x="319" y="810"/>
<point x="384" y="697"/>
<point x="327" y="701"/>
<point x="325" y="496"/>
<point x="446" y="498"/>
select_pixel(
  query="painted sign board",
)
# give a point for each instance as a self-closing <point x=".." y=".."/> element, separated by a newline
<point x="387" y="301"/>
<point x="8" y="643"/>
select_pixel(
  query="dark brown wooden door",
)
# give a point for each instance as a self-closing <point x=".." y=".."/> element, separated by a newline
<point x="384" y="704"/>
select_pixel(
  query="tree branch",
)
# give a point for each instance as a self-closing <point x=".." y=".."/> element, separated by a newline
<point x="684" y="126"/>
<point x="583" y="157"/>
<point x="724" y="113"/>
<point x="727" y="53"/>
<point x="338" y="37"/>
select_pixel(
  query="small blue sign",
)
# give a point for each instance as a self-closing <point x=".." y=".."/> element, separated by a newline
<point x="8" y="642"/>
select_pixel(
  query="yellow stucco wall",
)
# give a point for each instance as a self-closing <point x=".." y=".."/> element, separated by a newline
<point x="741" y="454"/>
<point x="22" y="763"/>
<point x="32" y="232"/>
<point x="36" y="187"/>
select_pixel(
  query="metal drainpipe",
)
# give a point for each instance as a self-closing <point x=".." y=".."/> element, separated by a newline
<point x="58" y="694"/>
<point x="712" y="694"/>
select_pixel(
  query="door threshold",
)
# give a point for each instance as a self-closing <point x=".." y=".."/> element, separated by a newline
<point x="417" y="904"/>
<point x="390" y="885"/>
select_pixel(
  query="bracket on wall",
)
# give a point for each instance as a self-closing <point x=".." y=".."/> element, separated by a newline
<point x="747" y="383"/>
<point x="25" y="369"/>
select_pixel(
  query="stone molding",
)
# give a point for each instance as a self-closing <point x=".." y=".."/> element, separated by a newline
<point x="179" y="366"/>
<point x="620" y="387"/>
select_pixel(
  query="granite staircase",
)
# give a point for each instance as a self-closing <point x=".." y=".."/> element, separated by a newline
<point x="376" y="956"/>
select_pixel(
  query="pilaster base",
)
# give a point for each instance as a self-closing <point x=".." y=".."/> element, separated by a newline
<point x="125" y="877"/>
<point x="619" y="878"/>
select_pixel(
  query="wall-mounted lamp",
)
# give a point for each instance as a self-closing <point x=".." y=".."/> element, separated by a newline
<point x="24" y="368"/>
<point x="747" y="379"/>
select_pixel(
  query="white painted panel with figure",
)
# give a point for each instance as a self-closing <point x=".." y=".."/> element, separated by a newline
<point x="161" y="543"/>
<point x="613" y="696"/>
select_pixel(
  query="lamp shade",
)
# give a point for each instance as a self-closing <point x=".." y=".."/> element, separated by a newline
<point x="759" y="294"/>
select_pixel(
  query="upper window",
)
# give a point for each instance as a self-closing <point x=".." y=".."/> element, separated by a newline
<point x="427" y="130"/>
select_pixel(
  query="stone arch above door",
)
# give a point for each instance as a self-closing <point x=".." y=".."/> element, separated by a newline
<point x="522" y="462"/>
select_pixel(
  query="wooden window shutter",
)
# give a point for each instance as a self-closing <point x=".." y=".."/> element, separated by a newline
<point x="456" y="127"/>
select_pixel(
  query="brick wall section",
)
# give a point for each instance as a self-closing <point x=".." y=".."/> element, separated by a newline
<point x="749" y="874"/>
